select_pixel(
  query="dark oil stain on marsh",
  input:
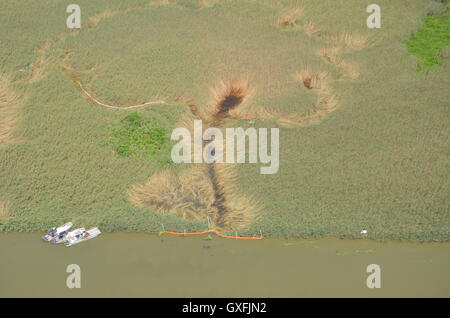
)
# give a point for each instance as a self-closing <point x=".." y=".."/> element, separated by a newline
<point x="228" y="103"/>
<point x="223" y="108"/>
<point x="219" y="202"/>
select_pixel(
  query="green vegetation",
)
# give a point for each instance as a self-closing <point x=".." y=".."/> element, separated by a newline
<point x="138" y="136"/>
<point x="428" y="42"/>
<point x="379" y="162"/>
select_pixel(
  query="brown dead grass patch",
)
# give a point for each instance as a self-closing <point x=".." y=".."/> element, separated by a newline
<point x="325" y="104"/>
<point x="311" y="78"/>
<point x="289" y="18"/>
<point x="227" y="96"/>
<point x="202" y="4"/>
<point x="190" y="104"/>
<point x="95" y="19"/>
<point x="283" y="118"/>
<point x="99" y="16"/>
<point x="198" y="4"/>
<point x="187" y="121"/>
<point x="350" y="40"/>
<point x="9" y="111"/>
<point x="349" y="70"/>
<point x="331" y="55"/>
<point x="40" y="63"/>
<point x="191" y="195"/>
<point x="157" y="3"/>
<point x="311" y="28"/>
<point x="4" y="210"/>
<point x="242" y="210"/>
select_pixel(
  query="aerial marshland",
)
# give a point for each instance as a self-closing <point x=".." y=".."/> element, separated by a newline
<point x="86" y="116"/>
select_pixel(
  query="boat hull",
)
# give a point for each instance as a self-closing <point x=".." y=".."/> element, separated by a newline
<point x="57" y="233"/>
<point x="91" y="233"/>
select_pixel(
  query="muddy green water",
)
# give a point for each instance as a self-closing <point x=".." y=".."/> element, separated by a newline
<point x="144" y="265"/>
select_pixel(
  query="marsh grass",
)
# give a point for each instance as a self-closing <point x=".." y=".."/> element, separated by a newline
<point x="9" y="111"/>
<point x="376" y="162"/>
<point x="428" y="42"/>
<point x="135" y="135"/>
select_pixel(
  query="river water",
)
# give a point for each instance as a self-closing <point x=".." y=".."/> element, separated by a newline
<point x="147" y="265"/>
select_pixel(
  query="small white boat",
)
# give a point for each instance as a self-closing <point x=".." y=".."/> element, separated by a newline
<point x="80" y="235"/>
<point x="56" y="234"/>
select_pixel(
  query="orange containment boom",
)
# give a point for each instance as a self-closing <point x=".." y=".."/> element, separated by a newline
<point x="217" y="233"/>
